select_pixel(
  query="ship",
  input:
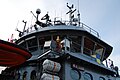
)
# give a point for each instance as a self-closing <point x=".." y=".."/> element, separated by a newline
<point x="57" y="50"/>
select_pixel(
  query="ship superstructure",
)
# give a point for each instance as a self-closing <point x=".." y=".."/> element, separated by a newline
<point x="63" y="50"/>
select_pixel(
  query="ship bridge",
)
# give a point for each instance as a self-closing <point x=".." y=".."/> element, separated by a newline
<point x="72" y="38"/>
<point x="60" y="36"/>
<point x="61" y="42"/>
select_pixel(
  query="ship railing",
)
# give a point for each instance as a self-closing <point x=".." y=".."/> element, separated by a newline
<point x="89" y="29"/>
<point x="86" y="27"/>
<point x="60" y="22"/>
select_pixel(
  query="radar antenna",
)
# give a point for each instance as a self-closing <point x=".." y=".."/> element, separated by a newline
<point x="38" y="11"/>
<point x="47" y="18"/>
<point x="70" y="12"/>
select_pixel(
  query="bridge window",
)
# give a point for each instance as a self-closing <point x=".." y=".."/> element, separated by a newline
<point x="75" y="43"/>
<point x="92" y="48"/>
<point x="51" y="42"/>
<point x="99" y="50"/>
<point x="32" y="44"/>
<point x="44" y="43"/>
<point x="41" y="42"/>
<point x="23" y="45"/>
<point x="88" y="46"/>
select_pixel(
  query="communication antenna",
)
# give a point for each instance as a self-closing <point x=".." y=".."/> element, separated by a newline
<point x="20" y="32"/>
<point x="33" y="14"/>
<point x="25" y="22"/>
<point x="78" y="14"/>
<point x="17" y="25"/>
<point x="16" y="29"/>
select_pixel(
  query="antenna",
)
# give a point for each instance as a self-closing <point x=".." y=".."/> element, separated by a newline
<point x="25" y="22"/>
<point x="20" y="32"/>
<point x="17" y="25"/>
<point x="70" y="12"/>
<point x="33" y="14"/>
<point x="38" y="11"/>
<point x="78" y="14"/>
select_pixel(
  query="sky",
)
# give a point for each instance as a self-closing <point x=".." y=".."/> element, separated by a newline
<point x="101" y="15"/>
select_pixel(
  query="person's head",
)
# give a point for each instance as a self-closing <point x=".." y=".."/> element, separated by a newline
<point x="58" y="39"/>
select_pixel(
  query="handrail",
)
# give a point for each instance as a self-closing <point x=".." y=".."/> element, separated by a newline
<point x="89" y="29"/>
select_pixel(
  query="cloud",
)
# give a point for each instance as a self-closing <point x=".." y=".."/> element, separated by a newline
<point x="101" y="15"/>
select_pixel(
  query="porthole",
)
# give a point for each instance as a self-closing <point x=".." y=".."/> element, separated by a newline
<point x="17" y="76"/>
<point x="88" y="76"/>
<point x="33" y="75"/>
<point x="75" y="74"/>
<point x="24" y="75"/>
<point x="101" y="78"/>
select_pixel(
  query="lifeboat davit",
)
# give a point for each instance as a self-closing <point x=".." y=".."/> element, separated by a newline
<point x="12" y="54"/>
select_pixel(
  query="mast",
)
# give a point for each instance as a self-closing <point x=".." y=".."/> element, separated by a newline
<point x="78" y="14"/>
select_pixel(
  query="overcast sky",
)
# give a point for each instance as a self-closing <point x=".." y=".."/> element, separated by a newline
<point x="101" y="15"/>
